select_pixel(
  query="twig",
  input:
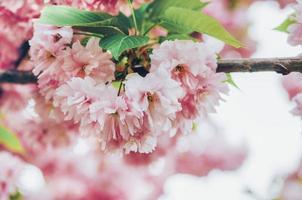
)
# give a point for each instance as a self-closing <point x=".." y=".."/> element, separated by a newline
<point x="280" y="65"/>
<point x="19" y="77"/>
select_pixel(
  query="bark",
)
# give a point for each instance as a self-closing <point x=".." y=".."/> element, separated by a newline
<point x="280" y="65"/>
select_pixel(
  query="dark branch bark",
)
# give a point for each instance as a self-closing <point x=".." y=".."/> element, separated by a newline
<point x="19" y="77"/>
<point x="280" y="65"/>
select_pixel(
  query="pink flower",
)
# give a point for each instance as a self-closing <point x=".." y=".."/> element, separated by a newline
<point x="184" y="60"/>
<point x="158" y="96"/>
<point x="10" y="170"/>
<point x="109" y="6"/>
<point x="15" y="18"/>
<point x="298" y="102"/>
<point x="293" y="84"/>
<point x="195" y="71"/>
<point x="14" y="98"/>
<point x="89" y="61"/>
<point x="75" y="97"/>
<point x="47" y="45"/>
<point x="295" y="34"/>
<point x="295" y="30"/>
<point x="49" y="41"/>
<point x="200" y="159"/>
<point x="118" y="125"/>
<point x="292" y="187"/>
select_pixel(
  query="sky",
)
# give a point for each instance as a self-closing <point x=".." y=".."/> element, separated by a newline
<point x="259" y="114"/>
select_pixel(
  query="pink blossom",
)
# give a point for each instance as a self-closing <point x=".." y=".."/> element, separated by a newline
<point x="109" y="6"/>
<point x="292" y="187"/>
<point x="295" y="34"/>
<point x="298" y="102"/>
<point x="196" y="74"/>
<point x="174" y="56"/>
<point x="10" y="170"/>
<point x="15" y="18"/>
<point x="72" y="176"/>
<point x="49" y="40"/>
<point x="75" y="97"/>
<point x="14" y="98"/>
<point x="158" y="95"/>
<point x="118" y="125"/>
<point x="293" y="84"/>
<point x="89" y="61"/>
<point x="295" y="30"/>
<point x="47" y="45"/>
<point x="202" y="157"/>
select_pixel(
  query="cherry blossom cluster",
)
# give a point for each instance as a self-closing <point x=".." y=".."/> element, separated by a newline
<point x="53" y="147"/>
<point x="80" y="81"/>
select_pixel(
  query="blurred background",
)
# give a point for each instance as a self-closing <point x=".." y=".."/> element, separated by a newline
<point x="257" y="113"/>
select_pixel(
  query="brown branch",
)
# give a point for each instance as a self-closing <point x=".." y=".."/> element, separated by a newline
<point x="279" y="65"/>
<point x="19" y="77"/>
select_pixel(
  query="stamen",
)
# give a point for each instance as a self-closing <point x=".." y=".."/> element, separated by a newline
<point x="57" y="37"/>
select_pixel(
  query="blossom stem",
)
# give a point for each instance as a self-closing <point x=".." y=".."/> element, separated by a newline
<point x="280" y="65"/>
<point x="133" y="16"/>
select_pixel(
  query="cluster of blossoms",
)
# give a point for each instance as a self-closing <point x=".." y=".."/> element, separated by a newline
<point x="71" y="172"/>
<point x="79" y="80"/>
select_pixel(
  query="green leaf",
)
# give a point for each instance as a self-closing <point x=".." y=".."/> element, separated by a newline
<point x="230" y="80"/>
<point x="159" y="7"/>
<point x="100" y="23"/>
<point x="176" y="37"/>
<point x="16" y="196"/>
<point x="199" y="22"/>
<point x="116" y="84"/>
<point x="284" y="26"/>
<point x="140" y="17"/>
<point x="174" y="28"/>
<point x="67" y="16"/>
<point x="117" y="44"/>
<point x="103" y="30"/>
<point x="10" y="141"/>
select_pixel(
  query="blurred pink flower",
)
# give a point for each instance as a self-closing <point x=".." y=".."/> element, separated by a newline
<point x="293" y="84"/>
<point x="15" y="18"/>
<point x="10" y="170"/>
<point x="295" y="34"/>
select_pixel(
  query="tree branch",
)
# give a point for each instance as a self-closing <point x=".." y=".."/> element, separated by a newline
<point x="19" y="77"/>
<point x="280" y="65"/>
